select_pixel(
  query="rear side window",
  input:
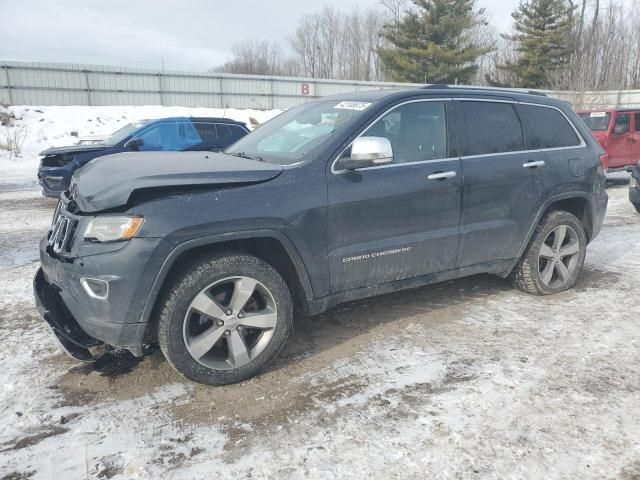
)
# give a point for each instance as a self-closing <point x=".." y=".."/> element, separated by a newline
<point x="228" y="134"/>
<point x="208" y="134"/>
<point x="546" y="127"/>
<point x="637" y="117"/>
<point x="490" y="127"/>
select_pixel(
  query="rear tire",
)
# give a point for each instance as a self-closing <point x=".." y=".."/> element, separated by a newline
<point x="554" y="257"/>
<point x="224" y="318"/>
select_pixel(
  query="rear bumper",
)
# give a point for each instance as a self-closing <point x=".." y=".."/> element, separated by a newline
<point x="598" y="212"/>
<point x="634" y="195"/>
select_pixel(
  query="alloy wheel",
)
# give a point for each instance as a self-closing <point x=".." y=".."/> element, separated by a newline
<point x="230" y="323"/>
<point x="558" y="257"/>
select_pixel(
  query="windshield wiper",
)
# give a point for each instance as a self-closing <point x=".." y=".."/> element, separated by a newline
<point x="244" y="155"/>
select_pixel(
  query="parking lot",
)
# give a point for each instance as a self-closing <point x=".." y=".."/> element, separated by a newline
<point x="466" y="379"/>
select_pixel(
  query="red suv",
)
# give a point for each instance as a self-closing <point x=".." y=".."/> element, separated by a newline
<point x="618" y="131"/>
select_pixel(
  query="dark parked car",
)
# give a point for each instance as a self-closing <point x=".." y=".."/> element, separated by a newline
<point x="167" y="134"/>
<point x="634" y="187"/>
<point x="210" y="254"/>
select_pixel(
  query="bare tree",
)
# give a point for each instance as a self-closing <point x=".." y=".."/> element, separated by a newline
<point x="331" y="44"/>
<point x="255" y="57"/>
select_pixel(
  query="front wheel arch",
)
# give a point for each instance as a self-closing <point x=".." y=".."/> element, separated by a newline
<point x="270" y="246"/>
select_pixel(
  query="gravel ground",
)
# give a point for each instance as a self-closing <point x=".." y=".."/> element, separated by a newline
<point x="466" y="379"/>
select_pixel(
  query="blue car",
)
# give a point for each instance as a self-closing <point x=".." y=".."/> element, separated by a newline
<point x="167" y="134"/>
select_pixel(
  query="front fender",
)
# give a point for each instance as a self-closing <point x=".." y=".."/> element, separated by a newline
<point x="212" y="240"/>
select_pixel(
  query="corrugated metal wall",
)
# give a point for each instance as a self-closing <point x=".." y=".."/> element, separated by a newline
<point x="72" y="84"/>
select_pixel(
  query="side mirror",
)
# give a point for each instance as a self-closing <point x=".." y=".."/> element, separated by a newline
<point x="134" y="144"/>
<point x="367" y="152"/>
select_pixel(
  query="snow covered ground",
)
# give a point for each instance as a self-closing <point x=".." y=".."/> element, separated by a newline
<point x="52" y="127"/>
<point x="467" y="379"/>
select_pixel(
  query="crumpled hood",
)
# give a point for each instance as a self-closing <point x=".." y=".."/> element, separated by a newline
<point x="74" y="149"/>
<point x="108" y="182"/>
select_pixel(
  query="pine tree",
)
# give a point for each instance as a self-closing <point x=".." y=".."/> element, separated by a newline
<point x="431" y="43"/>
<point x="542" y="37"/>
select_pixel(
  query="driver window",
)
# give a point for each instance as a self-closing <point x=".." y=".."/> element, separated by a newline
<point x="417" y="131"/>
<point x="622" y="123"/>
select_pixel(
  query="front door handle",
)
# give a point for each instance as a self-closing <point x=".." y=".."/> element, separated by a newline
<point x="442" y="175"/>
<point x="539" y="163"/>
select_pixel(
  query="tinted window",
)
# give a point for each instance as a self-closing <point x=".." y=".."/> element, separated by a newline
<point x="228" y="134"/>
<point x="207" y="133"/>
<point x="622" y="123"/>
<point x="417" y="131"/>
<point x="637" y="115"/>
<point x="596" y="121"/>
<point x="169" y="136"/>
<point x="490" y="128"/>
<point x="546" y="128"/>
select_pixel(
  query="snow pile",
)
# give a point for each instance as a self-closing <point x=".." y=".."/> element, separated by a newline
<point x="53" y="127"/>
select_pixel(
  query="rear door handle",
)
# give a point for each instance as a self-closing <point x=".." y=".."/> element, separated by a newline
<point x="442" y="175"/>
<point x="539" y="163"/>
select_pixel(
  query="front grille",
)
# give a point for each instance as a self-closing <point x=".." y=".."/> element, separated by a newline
<point x="62" y="230"/>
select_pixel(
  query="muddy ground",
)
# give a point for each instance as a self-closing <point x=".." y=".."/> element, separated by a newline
<point x="466" y="379"/>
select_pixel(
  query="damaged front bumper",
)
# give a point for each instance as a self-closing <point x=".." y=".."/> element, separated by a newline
<point x="74" y="341"/>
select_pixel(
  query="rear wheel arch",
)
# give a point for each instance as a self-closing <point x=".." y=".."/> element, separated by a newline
<point x="578" y="206"/>
<point x="576" y="203"/>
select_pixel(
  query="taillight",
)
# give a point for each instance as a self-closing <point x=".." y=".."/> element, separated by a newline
<point x="604" y="161"/>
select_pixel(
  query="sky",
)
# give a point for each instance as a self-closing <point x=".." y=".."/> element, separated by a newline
<point x="192" y="35"/>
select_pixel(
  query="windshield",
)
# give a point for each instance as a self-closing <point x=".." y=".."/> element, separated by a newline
<point x="292" y="135"/>
<point x="596" y="121"/>
<point x="124" y="132"/>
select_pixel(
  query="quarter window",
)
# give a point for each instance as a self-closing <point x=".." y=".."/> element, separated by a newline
<point x="490" y="127"/>
<point x="417" y="131"/>
<point x="546" y="127"/>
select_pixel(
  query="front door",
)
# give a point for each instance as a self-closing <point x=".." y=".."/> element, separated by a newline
<point x="397" y="221"/>
<point x="621" y="141"/>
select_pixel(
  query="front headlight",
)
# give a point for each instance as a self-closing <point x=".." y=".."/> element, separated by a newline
<point x="633" y="183"/>
<point x="112" y="229"/>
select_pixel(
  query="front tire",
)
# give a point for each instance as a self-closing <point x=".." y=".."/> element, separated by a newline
<point x="554" y="257"/>
<point x="224" y="318"/>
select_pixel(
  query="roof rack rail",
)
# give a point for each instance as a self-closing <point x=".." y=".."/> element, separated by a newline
<point x="436" y="85"/>
<point x="475" y="87"/>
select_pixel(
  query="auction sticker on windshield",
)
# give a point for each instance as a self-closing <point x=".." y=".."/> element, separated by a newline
<point x="352" y="105"/>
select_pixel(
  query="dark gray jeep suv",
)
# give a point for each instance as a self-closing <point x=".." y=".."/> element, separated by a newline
<point x="210" y="255"/>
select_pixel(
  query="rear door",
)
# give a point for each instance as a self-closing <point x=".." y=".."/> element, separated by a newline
<point x="500" y="197"/>
<point x="401" y="220"/>
<point x="621" y="141"/>
<point x="567" y="160"/>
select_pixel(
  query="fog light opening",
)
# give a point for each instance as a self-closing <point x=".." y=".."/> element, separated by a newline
<point x="95" y="287"/>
